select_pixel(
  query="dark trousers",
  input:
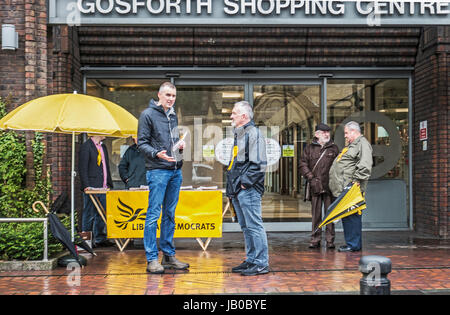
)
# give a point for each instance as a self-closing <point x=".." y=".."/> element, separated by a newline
<point x="316" y="211"/>
<point x="92" y="221"/>
<point x="353" y="231"/>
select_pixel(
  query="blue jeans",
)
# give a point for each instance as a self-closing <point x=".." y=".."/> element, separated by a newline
<point x="352" y="231"/>
<point x="247" y="205"/>
<point x="164" y="189"/>
<point x="91" y="220"/>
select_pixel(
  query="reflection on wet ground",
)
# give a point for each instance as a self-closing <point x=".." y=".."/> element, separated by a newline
<point x="419" y="265"/>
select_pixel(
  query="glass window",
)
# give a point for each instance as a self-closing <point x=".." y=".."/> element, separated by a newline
<point x="381" y="108"/>
<point x="288" y="114"/>
<point x="204" y="111"/>
<point x="134" y="96"/>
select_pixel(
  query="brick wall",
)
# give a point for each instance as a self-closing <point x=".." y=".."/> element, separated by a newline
<point x="46" y="62"/>
<point x="431" y="103"/>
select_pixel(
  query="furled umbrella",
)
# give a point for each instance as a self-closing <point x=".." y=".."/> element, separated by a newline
<point x="60" y="232"/>
<point x="350" y="201"/>
<point x="72" y="114"/>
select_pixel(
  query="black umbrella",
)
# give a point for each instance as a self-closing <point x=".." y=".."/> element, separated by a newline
<point x="60" y="232"/>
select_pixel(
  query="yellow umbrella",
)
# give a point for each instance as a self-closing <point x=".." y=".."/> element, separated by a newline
<point x="72" y="114"/>
<point x="349" y="202"/>
<point x="69" y="113"/>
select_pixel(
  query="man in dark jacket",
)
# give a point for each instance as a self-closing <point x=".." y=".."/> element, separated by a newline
<point x="94" y="172"/>
<point x="157" y="138"/>
<point x="245" y="187"/>
<point x="314" y="166"/>
<point x="132" y="167"/>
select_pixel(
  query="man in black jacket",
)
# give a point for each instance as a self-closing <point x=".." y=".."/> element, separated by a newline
<point x="132" y="167"/>
<point x="157" y="138"/>
<point x="94" y="172"/>
<point x="245" y="187"/>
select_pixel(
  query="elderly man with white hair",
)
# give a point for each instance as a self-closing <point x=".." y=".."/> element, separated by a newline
<point x="353" y="164"/>
<point x="245" y="187"/>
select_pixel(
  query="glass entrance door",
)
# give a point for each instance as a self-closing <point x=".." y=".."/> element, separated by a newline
<point x="289" y="112"/>
<point x="285" y="113"/>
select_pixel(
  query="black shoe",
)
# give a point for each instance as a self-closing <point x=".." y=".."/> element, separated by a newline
<point x="344" y="249"/>
<point x="255" y="270"/>
<point x="238" y="269"/>
<point x="330" y="245"/>
<point x="314" y="245"/>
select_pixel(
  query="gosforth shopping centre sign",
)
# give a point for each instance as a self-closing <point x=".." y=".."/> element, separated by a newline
<point x="249" y="12"/>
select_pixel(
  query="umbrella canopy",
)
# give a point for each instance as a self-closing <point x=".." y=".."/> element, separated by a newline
<point x="72" y="114"/>
<point x="349" y="202"/>
<point x="69" y="113"/>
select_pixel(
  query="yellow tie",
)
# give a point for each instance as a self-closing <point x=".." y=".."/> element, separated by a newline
<point x="342" y="153"/>
<point x="99" y="158"/>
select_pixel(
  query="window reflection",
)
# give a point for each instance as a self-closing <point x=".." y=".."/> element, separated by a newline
<point x="289" y="114"/>
<point x="375" y="101"/>
<point x="134" y="96"/>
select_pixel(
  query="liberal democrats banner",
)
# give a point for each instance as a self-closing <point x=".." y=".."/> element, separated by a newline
<point x="198" y="214"/>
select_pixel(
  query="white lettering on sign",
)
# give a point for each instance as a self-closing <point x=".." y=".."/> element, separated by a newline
<point x="152" y="6"/>
<point x="264" y="7"/>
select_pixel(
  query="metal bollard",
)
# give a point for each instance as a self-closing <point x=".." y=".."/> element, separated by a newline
<point x="374" y="279"/>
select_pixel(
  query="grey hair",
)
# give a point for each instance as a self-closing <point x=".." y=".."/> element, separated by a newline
<point x="166" y="85"/>
<point x="353" y="125"/>
<point x="245" y="108"/>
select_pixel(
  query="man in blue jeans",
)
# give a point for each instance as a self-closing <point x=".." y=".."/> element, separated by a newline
<point x="245" y="187"/>
<point x="157" y="136"/>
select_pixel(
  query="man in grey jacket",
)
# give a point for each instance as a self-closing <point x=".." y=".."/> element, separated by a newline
<point x="245" y="187"/>
<point x="157" y="135"/>
<point x="353" y="164"/>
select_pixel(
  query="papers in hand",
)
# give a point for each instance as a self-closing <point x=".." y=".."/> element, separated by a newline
<point x="176" y="146"/>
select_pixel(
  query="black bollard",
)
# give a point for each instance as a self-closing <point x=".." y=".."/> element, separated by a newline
<point x="374" y="279"/>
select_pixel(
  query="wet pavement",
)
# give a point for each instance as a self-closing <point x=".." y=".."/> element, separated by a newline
<point x="419" y="266"/>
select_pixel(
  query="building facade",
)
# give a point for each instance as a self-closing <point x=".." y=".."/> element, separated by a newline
<point x="393" y="79"/>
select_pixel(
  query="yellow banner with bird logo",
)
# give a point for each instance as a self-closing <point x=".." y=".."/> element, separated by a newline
<point x="198" y="214"/>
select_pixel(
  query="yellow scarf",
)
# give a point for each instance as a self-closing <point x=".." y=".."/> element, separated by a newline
<point x="235" y="152"/>
<point x="342" y="153"/>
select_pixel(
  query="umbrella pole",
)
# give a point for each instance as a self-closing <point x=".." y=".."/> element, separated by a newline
<point x="72" y="190"/>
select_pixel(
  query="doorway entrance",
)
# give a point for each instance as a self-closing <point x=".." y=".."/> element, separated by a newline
<point x="285" y="112"/>
<point x="287" y="106"/>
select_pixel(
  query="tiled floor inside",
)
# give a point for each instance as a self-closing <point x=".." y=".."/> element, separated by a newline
<point x="419" y="266"/>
